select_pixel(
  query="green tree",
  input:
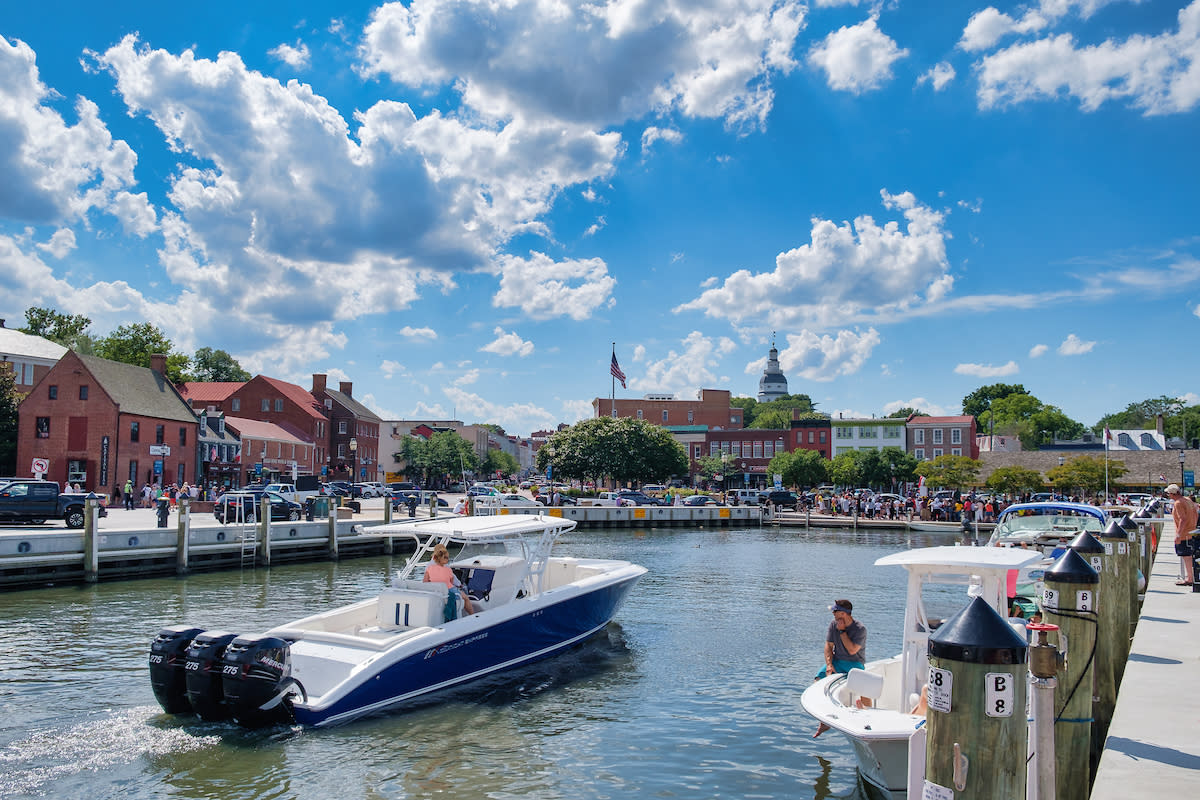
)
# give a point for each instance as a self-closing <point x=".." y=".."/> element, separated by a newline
<point x="800" y="468"/>
<point x="979" y="400"/>
<point x="134" y="344"/>
<point x="1028" y="418"/>
<point x="905" y="413"/>
<point x="210" y="365"/>
<point x="775" y="413"/>
<point x="950" y="472"/>
<point x="623" y="449"/>
<point x="1010" y="480"/>
<point x="845" y="469"/>
<point x="1086" y="473"/>
<point x="500" y="461"/>
<point x="709" y="467"/>
<point x="9" y="399"/>
<point x="65" y="329"/>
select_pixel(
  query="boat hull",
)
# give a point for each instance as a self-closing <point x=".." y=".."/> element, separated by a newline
<point x="465" y="650"/>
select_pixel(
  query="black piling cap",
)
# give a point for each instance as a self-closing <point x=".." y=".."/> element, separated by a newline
<point x="978" y="635"/>
<point x="1142" y="513"/>
<point x="1086" y="543"/>
<point x="1071" y="568"/>
<point x="1113" y="530"/>
<point x="1128" y="524"/>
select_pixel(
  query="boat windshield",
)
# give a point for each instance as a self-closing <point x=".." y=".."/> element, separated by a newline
<point x="1030" y="527"/>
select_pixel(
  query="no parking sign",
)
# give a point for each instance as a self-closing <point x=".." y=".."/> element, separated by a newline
<point x="40" y="466"/>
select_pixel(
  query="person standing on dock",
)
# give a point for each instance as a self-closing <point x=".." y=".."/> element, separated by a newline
<point x="845" y="646"/>
<point x="1184" y="512"/>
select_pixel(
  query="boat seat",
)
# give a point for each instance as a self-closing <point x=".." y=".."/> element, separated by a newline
<point x="864" y="684"/>
<point x="411" y="604"/>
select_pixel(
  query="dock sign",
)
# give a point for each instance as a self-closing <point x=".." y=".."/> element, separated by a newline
<point x="999" y="694"/>
<point x="941" y="681"/>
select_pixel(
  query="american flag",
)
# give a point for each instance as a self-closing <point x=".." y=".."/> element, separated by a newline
<point x="616" y="371"/>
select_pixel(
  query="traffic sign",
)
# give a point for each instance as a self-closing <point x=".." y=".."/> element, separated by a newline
<point x="40" y="466"/>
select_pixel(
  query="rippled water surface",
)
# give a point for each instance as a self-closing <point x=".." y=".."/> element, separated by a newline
<point x="692" y="693"/>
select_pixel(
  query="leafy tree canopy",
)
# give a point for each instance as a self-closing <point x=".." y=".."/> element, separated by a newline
<point x="1025" y="416"/>
<point x="210" y="365"/>
<point x="978" y="401"/>
<point x="1010" y="480"/>
<point x="800" y="468"/>
<point x="624" y="449"/>
<point x="134" y="344"/>
<point x="444" y="455"/>
<point x="500" y="461"/>
<point x="65" y="329"/>
<point x="1178" y="420"/>
<point x="761" y="415"/>
<point x="905" y="413"/>
<point x="1086" y="473"/>
<point x="950" y="472"/>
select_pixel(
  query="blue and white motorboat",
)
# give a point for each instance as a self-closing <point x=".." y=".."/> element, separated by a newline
<point x="378" y="654"/>
<point x="1046" y="525"/>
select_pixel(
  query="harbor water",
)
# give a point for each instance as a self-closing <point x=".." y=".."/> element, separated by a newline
<point x="692" y="693"/>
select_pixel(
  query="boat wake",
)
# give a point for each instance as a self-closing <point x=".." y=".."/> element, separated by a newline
<point x="29" y="766"/>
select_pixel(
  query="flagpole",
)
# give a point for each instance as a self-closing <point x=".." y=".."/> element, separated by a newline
<point x="1107" y="436"/>
<point x="612" y="398"/>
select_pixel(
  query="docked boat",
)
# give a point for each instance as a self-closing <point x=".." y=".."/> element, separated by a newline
<point x="940" y="581"/>
<point x="381" y="653"/>
<point x="1046" y="525"/>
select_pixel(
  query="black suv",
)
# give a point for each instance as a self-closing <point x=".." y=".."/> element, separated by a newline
<point x="226" y="507"/>
<point x="640" y="498"/>
<point x="779" y="497"/>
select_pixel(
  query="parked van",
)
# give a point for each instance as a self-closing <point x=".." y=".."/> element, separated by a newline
<point x="745" y="497"/>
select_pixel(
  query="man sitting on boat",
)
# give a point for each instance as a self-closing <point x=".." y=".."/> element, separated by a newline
<point x="437" y="571"/>
<point x="845" y="646"/>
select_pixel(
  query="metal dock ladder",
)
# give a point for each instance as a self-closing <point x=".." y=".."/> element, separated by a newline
<point x="249" y="539"/>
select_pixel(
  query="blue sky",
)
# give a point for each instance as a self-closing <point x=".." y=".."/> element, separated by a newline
<point x="460" y="206"/>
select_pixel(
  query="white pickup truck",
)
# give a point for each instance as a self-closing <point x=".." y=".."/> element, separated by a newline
<point x="304" y="488"/>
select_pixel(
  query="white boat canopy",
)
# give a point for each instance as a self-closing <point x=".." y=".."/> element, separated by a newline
<point x="959" y="559"/>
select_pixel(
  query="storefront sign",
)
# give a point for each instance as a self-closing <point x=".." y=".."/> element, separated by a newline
<point x="104" y="461"/>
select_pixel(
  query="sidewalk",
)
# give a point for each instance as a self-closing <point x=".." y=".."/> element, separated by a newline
<point x="1153" y="746"/>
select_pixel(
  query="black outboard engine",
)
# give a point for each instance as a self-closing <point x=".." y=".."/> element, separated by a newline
<point x="203" y="670"/>
<point x="166" y="667"/>
<point x="258" y="682"/>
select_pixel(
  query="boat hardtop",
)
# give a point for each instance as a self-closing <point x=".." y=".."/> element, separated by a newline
<point x="1046" y="523"/>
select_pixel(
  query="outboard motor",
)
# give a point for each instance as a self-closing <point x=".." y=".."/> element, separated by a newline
<point x="258" y="682"/>
<point x="203" y="670"/>
<point x="166" y="667"/>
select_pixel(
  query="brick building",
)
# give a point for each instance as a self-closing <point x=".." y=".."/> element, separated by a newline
<point x="745" y="454"/>
<point x="98" y="422"/>
<point x="353" y="433"/>
<point x="269" y="453"/>
<point x="711" y="409"/>
<point x="812" y="433"/>
<point x="930" y="437"/>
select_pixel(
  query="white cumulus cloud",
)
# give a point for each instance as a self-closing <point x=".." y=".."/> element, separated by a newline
<point x="686" y="370"/>
<point x="938" y="76"/>
<point x="508" y="344"/>
<point x="296" y="56"/>
<point x="988" y="370"/>
<point x="409" y="332"/>
<point x="823" y="357"/>
<point x="857" y="58"/>
<point x="1038" y="350"/>
<point x="846" y="272"/>
<point x="1074" y="346"/>
<point x="60" y="244"/>
<point x="544" y="288"/>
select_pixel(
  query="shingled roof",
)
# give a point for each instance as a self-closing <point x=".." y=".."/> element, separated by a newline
<point x="353" y="406"/>
<point x="138" y="390"/>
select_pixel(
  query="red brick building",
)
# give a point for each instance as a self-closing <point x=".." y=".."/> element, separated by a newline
<point x="930" y="437"/>
<point x="711" y="409"/>
<point x="812" y="433"/>
<point x="745" y="454"/>
<point x="353" y="433"/>
<point x="98" y="422"/>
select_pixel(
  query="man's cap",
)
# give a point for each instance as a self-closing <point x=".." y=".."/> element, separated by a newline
<point x="1173" y="488"/>
<point x="842" y="605"/>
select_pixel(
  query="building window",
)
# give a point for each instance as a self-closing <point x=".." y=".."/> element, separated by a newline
<point x="639" y="413"/>
<point x="725" y="447"/>
<point x="266" y="404"/>
<point x="699" y="449"/>
<point x="891" y="432"/>
<point x="937" y="451"/>
<point x="758" y="449"/>
<point x="812" y="437"/>
<point x="937" y="435"/>
<point x="822" y="437"/>
<point x="956" y="436"/>
<point x="342" y="424"/>
<point x="736" y="451"/>
<point x="133" y="473"/>
<point x="956" y="451"/>
<point x="691" y="416"/>
<point x="919" y="436"/>
<point x="182" y="472"/>
<point x="43" y="427"/>
<point x="159" y="433"/>
<point x="53" y="392"/>
<point x="868" y="433"/>
<point x="843" y="433"/>
<point x="183" y="437"/>
<point x="919" y="454"/>
<point x="734" y="419"/>
<point x="279" y="404"/>
<point x="133" y="431"/>
<point x="664" y="416"/>
<point x="779" y="446"/>
<point x="83" y="392"/>
<point x="768" y="449"/>
<point x="236" y="404"/>
<point x="714" y="448"/>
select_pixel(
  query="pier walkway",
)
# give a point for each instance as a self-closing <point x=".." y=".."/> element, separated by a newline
<point x="1153" y="746"/>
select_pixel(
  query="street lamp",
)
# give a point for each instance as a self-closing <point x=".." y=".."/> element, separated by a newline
<point x="353" y="459"/>
<point x="1182" y="459"/>
<point x="724" y="472"/>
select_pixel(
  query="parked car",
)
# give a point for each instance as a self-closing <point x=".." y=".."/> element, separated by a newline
<point x="780" y="497"/>
<point x="36" y="501"/>
<point x="653" y="487"/>
<point x="367" y="490"/>
<point x="518" y="501"/>
<point x="244" y="507"/>
<point x="639" y="498"/>
<point x="338" y="489"/>
<point x="700" y="500"/>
